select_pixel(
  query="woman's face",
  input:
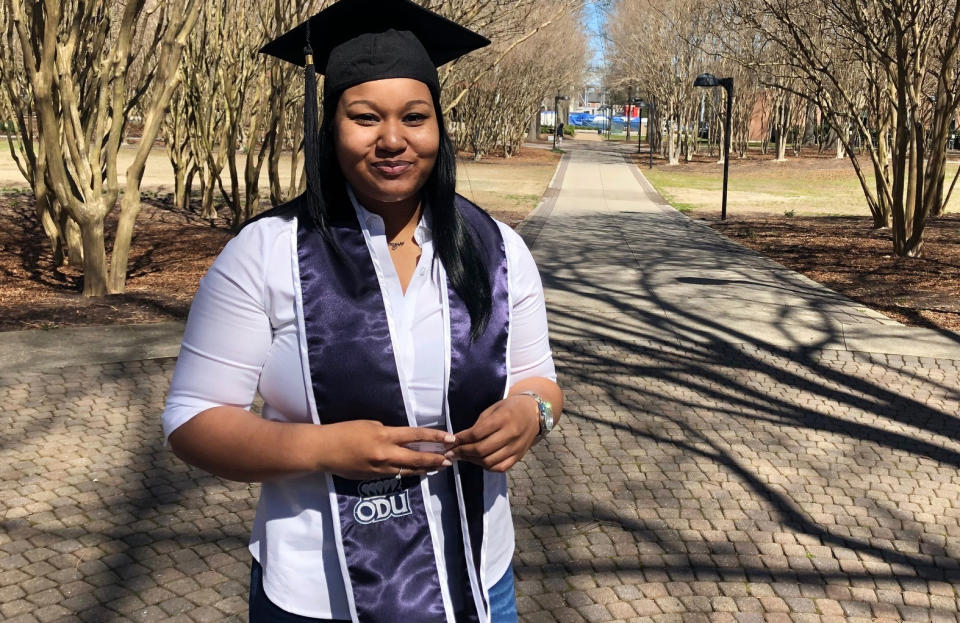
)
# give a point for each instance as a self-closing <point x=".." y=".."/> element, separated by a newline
<point x="387" y="138"/>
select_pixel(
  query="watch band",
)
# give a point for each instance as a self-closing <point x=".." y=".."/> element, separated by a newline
<point x="545" y="412"/>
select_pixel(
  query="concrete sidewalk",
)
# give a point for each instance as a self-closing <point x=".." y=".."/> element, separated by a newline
<point x="627" y="250"/>
<point x="737" y="444"/>
<point x="608" y="244"/>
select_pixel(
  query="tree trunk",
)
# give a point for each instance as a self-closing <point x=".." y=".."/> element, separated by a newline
<point x="294" y="178"/>
<point x="533" y="130"/>
<point x="251" y="205"/>
<point x="129" y="209"/>
<point x="188" y="188"/>
<point x="810" y="125"/>
<point x="94" y="257"/>
<point x="179" y="187"/>
<point x="208" y="191"/>
<point x="672" y="143"/>
<point x="47" y="213"/>
<point x="232" y="148"/>
<point x="273" y="169"/>
<point x="938" y="206"/>
<point x="721" y="133"/>
<point x="782" y="145"/>
<point x="72" y="237"/>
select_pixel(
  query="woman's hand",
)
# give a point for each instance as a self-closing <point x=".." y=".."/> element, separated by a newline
<point x="367" y="450"/>
<point x="501" y="436"/>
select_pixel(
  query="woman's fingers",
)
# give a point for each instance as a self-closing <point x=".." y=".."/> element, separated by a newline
<point x="501" y="455"/>
<point x="483" y="447"/>
<point x="501" y="436"/>
<point x="411" y="460"/>
<point x="487" y="423"/>
<point x="402" y="435"/>
<point x="419" y="451"/>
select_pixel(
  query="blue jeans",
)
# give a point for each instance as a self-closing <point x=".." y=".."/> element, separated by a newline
<point x="503" y="602"/>
<point x="503" y="599"/>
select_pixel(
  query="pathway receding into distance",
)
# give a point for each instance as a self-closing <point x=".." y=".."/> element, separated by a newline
<point x="739" y="444"/>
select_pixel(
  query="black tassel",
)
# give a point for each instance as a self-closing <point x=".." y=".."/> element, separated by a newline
<point x="311" y="136"/>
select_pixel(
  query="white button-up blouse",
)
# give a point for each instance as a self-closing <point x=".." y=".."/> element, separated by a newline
<point x="243" y="336"/>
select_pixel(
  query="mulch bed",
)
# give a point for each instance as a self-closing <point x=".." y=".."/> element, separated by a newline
<point x="170" y="252"/>
<point x="847" y="255"/>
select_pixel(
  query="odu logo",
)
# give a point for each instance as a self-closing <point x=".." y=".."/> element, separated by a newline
<point x="381" y="500"/>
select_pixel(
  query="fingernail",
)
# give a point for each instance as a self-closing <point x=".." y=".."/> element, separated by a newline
<point x="446" y="463"/>
<point x="449" y="438"/>
<point x="448" y="454"/>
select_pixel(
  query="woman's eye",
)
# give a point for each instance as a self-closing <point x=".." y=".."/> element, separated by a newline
<point x="365" y="118"/>
<point x="415" y="118"/>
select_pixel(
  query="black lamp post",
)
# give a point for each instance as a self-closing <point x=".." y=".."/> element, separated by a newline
<point x="628" y="110"/>
<point x="709" y="80"/>
<point x="639" y="103"/>
<point x="556" y="116"/>
<point x="650" y="112"/>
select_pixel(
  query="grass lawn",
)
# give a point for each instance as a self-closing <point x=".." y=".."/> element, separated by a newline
<point x="804" y="187"/>
<point x="810" y="215"/>
<point x="172" y="249"/>
<point x="508" y="189"/>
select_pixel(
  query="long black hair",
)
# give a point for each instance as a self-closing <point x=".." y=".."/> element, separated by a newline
<point x="454" y="240"/>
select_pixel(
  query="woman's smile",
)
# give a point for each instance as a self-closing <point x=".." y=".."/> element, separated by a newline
<point x="392" y="169"/>
<point x="387" y="139"/>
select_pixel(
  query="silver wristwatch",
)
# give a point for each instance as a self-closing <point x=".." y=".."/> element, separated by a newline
<point x="546" y="413"/>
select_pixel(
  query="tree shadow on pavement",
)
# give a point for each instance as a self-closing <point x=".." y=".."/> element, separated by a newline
<point x="710" y="436"/>
<point x="99" y="517"/>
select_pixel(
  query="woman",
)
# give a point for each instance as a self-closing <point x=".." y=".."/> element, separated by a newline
<point x="397" y="335"/>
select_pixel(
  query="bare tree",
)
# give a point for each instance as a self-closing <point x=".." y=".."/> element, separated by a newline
<point x="901" y="102"/>
<point x="86" y="70"/>
<point x="176" y="137"/>
<point x="660" y="45"/>
<point x="17" y="109"/>
<point x="496" y="111"/>
<point x="507" y="23"/>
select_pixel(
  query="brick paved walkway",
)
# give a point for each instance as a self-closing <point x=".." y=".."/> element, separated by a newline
<point x="730" y="451"/>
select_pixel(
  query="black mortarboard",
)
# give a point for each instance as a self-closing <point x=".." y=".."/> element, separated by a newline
<point x="356" y="41"/>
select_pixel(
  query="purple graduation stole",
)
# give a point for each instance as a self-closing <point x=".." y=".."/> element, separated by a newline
<point x="384" y="543"/>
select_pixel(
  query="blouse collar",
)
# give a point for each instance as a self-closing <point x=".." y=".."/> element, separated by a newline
<point x="422" y="234"/>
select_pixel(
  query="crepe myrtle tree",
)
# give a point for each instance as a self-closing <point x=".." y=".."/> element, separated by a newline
<point x="496" y="112"/>
<point x="900" y="101"/>
<point x="659" y="47"/>
<point x="238" y="112"/>
<point x="509" y="24"/>
<point x="87" y="65"/>
<point x="237" y="104"/>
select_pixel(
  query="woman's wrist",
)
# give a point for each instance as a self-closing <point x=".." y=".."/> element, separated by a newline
<point x="531" y="406"/>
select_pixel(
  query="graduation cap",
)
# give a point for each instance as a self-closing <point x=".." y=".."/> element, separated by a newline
<point x="355" y="41"/>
